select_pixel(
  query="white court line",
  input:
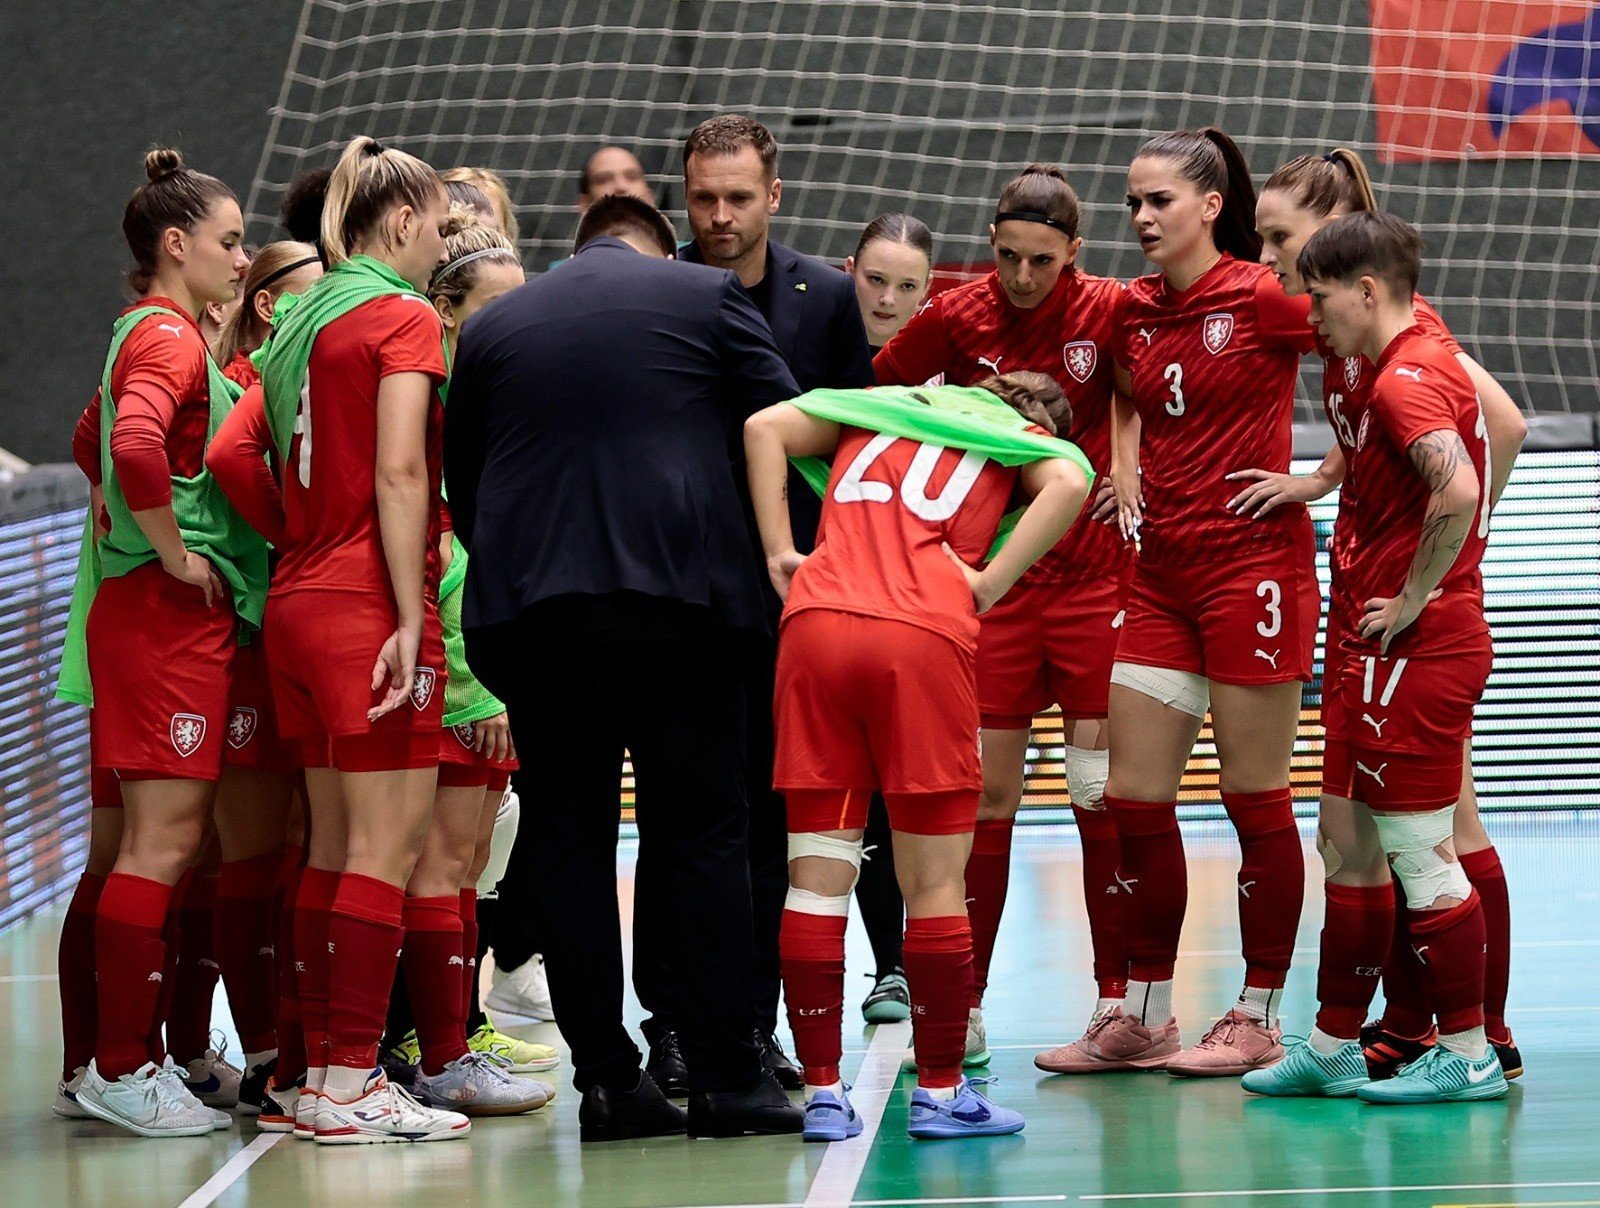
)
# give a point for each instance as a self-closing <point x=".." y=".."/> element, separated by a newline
<point x="231" y="1170"/>
<point x="1276" y="1191"/>
<point x="970" y="1199"/>
<point x="30" y="977"/>
<point x="836" y="1179"/>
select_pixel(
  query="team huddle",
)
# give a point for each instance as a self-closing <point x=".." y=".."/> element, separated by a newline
<point x="1064" y="490"/>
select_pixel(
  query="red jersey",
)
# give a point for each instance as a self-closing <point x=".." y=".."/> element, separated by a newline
<point x="240" y="460"/>
<point x="241" y="370"/>
<point x="891" y="504"/>
<point x="1214" y="369"/>
<point x="1346" y="389"/>
<point x="973" y="331"/>
<point x="330" y="499"/>
<point x="1418" y="387"/>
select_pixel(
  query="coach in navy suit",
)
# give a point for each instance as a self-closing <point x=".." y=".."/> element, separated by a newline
<point x="731" y="191"/>
<point x="611" y="601"/>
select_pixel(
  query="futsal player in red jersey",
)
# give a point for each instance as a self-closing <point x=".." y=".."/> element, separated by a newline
<point x="1051" y="640"/>
<point x="351" y="389"/>
<point x="1222" y="613"/>
<point x="876" y="688"/>
<point x="1412" y="665"/>
<point x="285" y="267"/>
<point x="1299" y="199"/>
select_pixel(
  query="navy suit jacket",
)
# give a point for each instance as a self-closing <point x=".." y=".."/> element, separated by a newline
<point x="587" y="437"/>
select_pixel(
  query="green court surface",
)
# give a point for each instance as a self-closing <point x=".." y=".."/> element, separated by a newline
<point x="1142" y="1139"/>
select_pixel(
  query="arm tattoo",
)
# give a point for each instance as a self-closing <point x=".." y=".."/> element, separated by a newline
<point x="1437" y="456"/>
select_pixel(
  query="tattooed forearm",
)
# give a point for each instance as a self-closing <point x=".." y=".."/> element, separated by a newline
<point x="1437" y="456"/>
<point x="1442" y="460"/>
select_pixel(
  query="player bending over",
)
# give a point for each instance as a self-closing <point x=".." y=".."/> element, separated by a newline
<point x="877" y="688"/>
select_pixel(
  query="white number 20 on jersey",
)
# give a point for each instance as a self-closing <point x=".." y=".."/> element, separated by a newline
<point x="855" y="487"/>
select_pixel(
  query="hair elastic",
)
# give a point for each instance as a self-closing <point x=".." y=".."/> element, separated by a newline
<point x="1030" y="216"/>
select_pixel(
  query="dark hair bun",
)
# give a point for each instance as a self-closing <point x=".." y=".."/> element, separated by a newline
<point x="163" y="161"/>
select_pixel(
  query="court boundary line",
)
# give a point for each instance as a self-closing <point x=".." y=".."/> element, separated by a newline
<point x="834" y="1184"/>
<point x="1125" y="1196"/>
<point x="231" y="1171"/>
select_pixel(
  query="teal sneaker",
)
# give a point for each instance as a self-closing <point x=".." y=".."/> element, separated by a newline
<point x="1306" y="1073"/>
<point x="1440" y="1076"/>
<point x="890" y="1000"/>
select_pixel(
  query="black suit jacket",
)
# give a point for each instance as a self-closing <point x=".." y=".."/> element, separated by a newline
<point x="586" y="437"/>
<point x="816" y="322"/>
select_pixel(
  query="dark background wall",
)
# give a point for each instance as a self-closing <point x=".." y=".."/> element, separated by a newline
<point x="91" y="85"/>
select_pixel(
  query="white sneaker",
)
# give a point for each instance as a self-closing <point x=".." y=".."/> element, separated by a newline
<point x="278" y="1107"/>
<point x="305" y="1114"/>
<point x="211" y="1079"/>
<point x="172" y="1073"/>
<point x="384" y="1112"/>
<point x="475" y="1085"/>
<point x="66" y="1103"/>
<point x="143" y="1103"/>
<point x="520" y="996"/>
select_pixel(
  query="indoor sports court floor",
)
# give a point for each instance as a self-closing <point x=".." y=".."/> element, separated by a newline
<point x="1116" y="1139"/>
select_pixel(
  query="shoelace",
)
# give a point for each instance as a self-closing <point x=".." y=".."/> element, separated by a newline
<point x="1222" y="1032"/>
<point x="1099" y="1023"/>
<point x="170" y="1089"/>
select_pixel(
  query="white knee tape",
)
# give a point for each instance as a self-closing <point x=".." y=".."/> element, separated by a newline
<point x="810" y="843"/>
<point x="1086" y="777"/>
<point x="1410" y="841"/>
<point x="505" y="834"/>
<point x="1332" y="861"/>
<point x="1180" y="689"/>
<point x="803" y="901"/>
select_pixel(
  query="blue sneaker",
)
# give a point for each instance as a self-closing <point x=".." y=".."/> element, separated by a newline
<point x="1306" y="1073"/>
<point x="969" y="1114"/>
<point x="830" y="1118"/>
<point x="1440" y="1076"/>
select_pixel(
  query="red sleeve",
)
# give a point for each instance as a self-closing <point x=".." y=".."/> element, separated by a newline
<point x="239" y="460"/>
<point x="155" y="371"/>
<point x="408" y="337"/>
<point x="919" y="351"/>
<point x="1284" y="320"/>
<point x="1410" y="408"/>
<point x="86" y="441"/>
<point x="1430" y="323"/>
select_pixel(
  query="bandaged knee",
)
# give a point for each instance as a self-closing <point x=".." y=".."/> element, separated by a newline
<point x="1182" y="690"/>
<point x="506" y="818"/>
<point x="1086" y="777"/>
<point x="1411" y="841"/>
<point x="825" y="847"/>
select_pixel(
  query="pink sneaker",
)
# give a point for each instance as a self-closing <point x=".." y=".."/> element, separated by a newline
<point x="1235" y="1045"/>
<point x="1114" y="1041"/>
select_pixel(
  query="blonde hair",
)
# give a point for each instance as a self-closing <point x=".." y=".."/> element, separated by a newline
<point x="369" y="180"/>
<point x="1325" y="183"/>
<point x="269" y="271"/>
<point x="494" y="188"/>
<point x="466" y="236"/>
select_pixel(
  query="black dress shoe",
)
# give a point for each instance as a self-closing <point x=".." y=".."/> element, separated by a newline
<point x="761" y="1110"/>
<point x="666" y="1067"/>
<point x="776" y="1062"/>
<point x="612" y="1115"/>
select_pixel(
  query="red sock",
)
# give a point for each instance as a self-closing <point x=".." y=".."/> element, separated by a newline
<point x="1272" y="882"/>
<point x="938" y="963"/>
<point x="245" y="892"/>
<point x="155" y="1047"/>
<point x="811" y="951"/>
<point x="1155" y="877"/>
<point x="130" y="958"/>
<point x="988" y="874"/>
<point x="189" y="1013"/>
<point x="1356" y="934"/>
<point x="313" y="907"/>
<point x="75" y="967"/>
<point x="1103" y="898"/>
<point x="364" y="936"/>
<point x="291" y="1034"/>
<point x="1450" y="945"/>
<point x="469" y="951"/>
<point x="433" y="968"/>
<point x="1489" y="879"/>
<point x="1407" y="1008"/>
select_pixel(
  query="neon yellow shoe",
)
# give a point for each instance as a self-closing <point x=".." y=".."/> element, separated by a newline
<point x="518" y="1056"/>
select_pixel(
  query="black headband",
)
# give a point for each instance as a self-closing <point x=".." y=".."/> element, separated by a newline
<point x="1030" y="216"/>
<point x="285" y="271"/>
<point x="1333" y="157"/>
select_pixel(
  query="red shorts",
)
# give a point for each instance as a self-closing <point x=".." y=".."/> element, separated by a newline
<point x="1403" y="725"/>
<point x="161" y="663"/>
<point x="1050" y="644"/>
<point x="461" y="765"/>
<point x="864" y="702"/>
<point x="252" y="735"/>
<point x="105" y="789"/>
<point x="321" y="647"/>
<point x="949" y="813"/>
<point x="1249" y="620"/>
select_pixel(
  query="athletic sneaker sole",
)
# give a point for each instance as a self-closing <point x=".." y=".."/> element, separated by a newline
<point x="1342" y="1088"/>
<point x="1143" y="1065"/>
<point x="357" y="1137"/>
<point x="111" y="1117"/>
<point x="1008" y="1130"/>
<point x="1470" y="1094"/>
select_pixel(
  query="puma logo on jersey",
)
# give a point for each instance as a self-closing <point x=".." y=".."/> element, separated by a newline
<point x="994" y="365"/>
<point x="1414" y="374"/>
<point x="172" y="327"/>
<point x="1375" y="723"/>
<point x="455" y="960"/>
<point x="1376" y="775"/>
<point x="1124" y="885"/>
<point x="1147" y="333"/>
<point x="1419" y="951"/>
<point x="1244" y="887"/>
<point x="1271" y="658"/>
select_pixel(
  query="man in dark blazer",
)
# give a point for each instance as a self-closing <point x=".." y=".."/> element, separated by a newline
<point x="731" y="191"/>
<point x="609" y="601"/>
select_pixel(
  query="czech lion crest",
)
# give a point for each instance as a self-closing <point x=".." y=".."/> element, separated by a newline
<point x="187" y="731"/>
<point x="1217" y="332"/>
